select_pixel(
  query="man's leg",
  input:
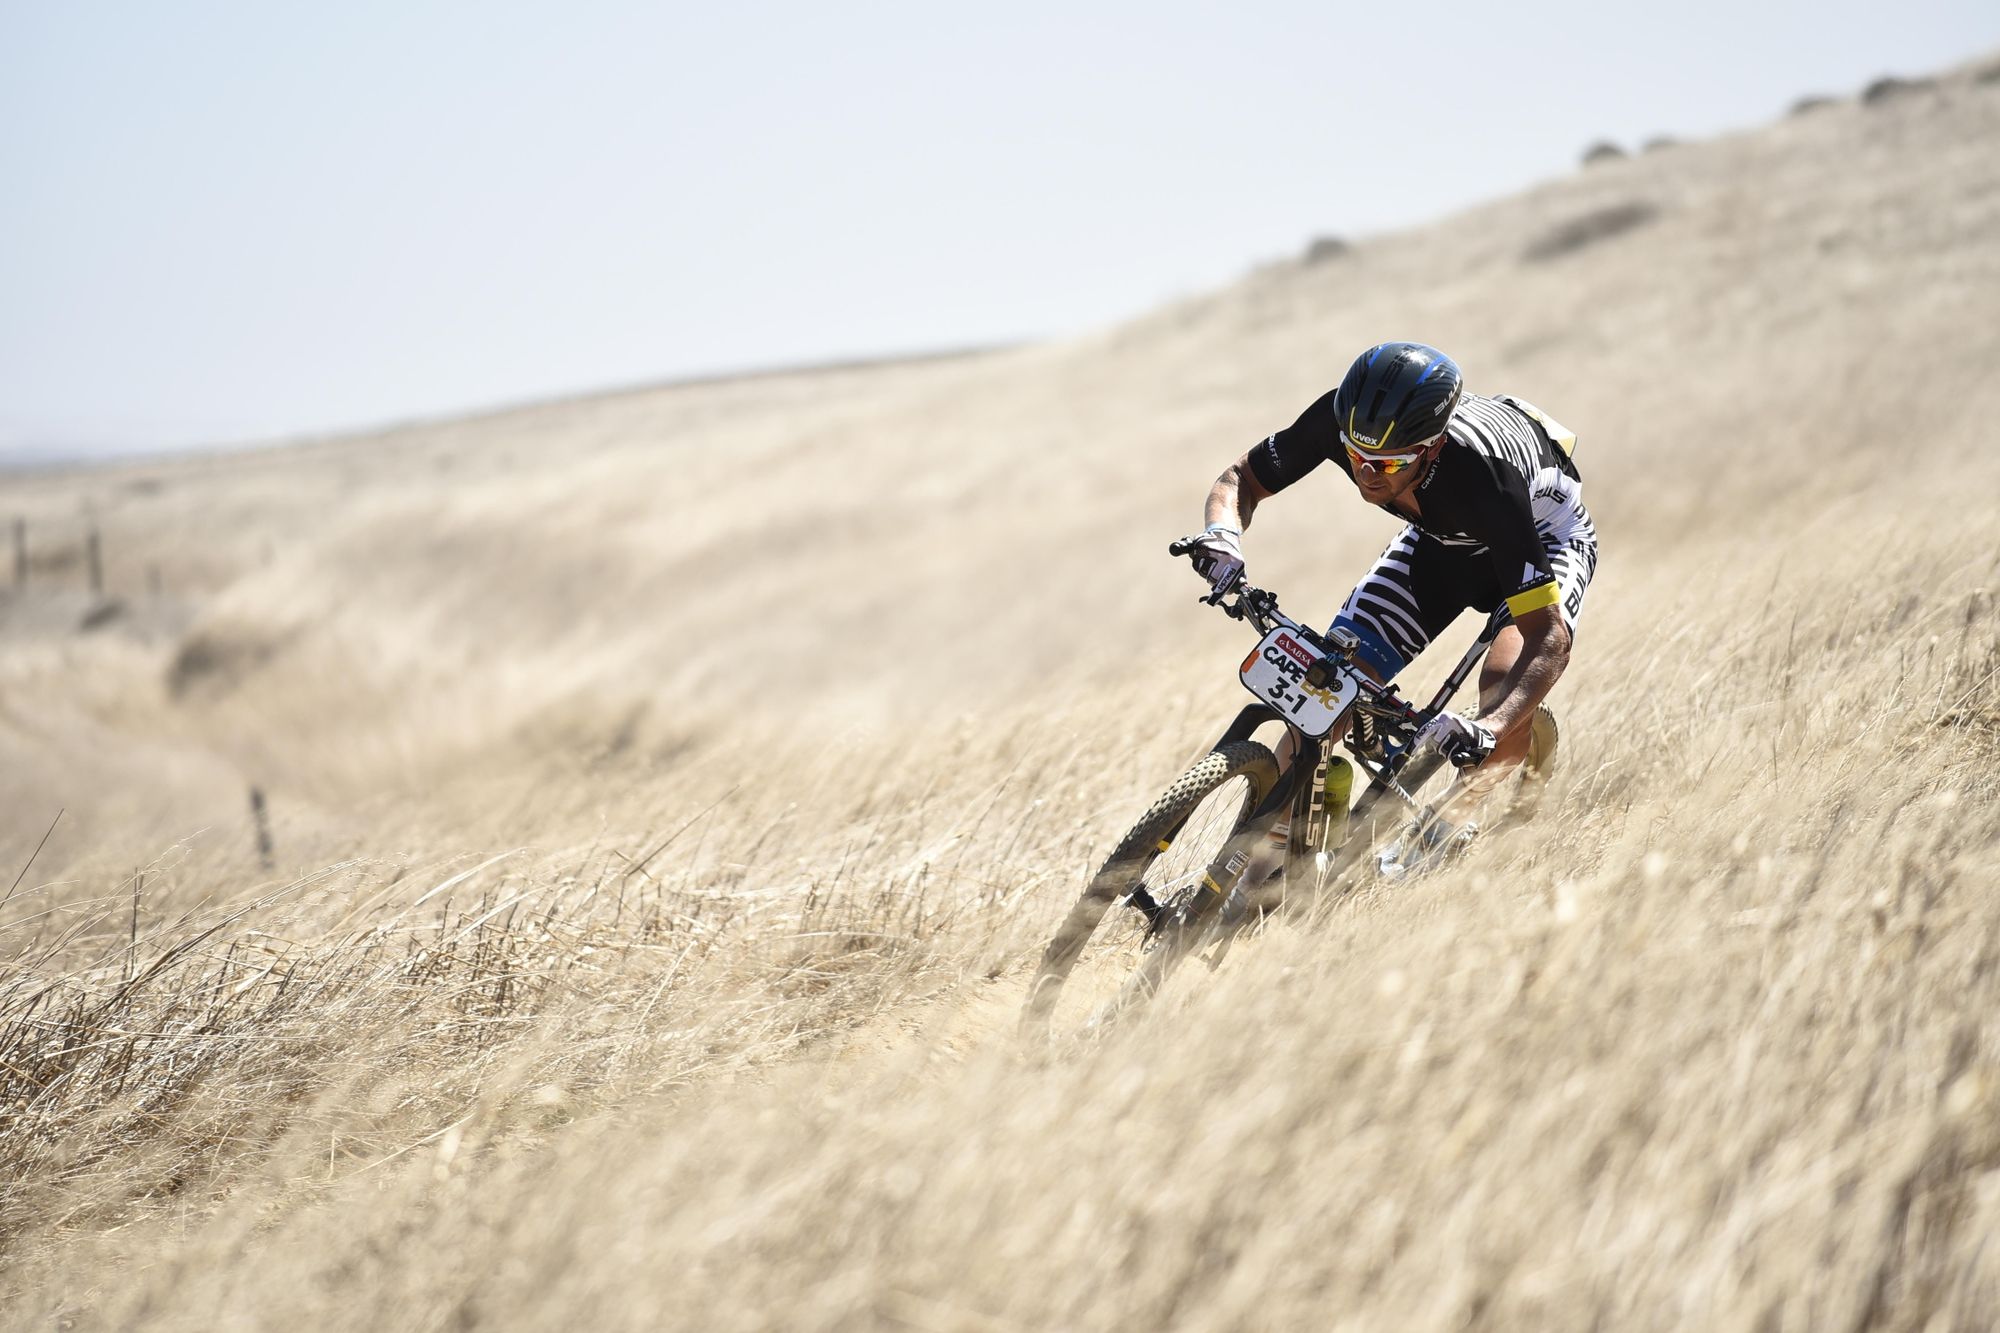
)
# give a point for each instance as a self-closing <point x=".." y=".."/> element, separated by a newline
<point x="1572" y="563"/>
<point x="1508" y="750"/>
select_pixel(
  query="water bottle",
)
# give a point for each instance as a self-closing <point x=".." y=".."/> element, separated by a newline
<point x="1336" y="794"/>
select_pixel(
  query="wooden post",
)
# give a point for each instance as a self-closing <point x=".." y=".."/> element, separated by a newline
<point x="132" y="950"/>
<point x="94" y="556"/>
<point x="260" y="815"/>
<point x="20" y="553"/>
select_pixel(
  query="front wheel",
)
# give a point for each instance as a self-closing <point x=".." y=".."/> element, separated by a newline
<point x="1172" y="869"/>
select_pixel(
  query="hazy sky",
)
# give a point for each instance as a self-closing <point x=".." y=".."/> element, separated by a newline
<point x="230" y="220"/>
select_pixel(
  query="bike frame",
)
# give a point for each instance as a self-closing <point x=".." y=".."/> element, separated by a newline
<point x="1380" y="703"/>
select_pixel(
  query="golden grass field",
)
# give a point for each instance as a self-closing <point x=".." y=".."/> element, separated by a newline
<point x="669" y="791"/>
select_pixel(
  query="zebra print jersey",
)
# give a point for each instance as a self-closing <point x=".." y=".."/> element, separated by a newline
<point x="1503" y="483"/>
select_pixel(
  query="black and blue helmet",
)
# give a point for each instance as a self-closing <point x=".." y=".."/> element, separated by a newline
<point x="1397" y="397"/>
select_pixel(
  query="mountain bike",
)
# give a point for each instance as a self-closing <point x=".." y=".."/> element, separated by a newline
<point x="1194" y="871"/>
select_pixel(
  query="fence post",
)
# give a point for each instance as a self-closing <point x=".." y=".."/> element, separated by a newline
<point x="94" y="552"/>
<point x="260" y="815"/>
<point x="132" y="950"/>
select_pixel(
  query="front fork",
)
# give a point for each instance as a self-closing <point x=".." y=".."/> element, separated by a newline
<point x="1313" y="816"/>
<point x="1313" y="824"/>
<point x="1296" y="822"/>
<point x="1225" y="875"/>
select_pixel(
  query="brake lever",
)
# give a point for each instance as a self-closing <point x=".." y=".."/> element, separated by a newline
<point x="1181" y="546"/>
<point x="1221" y="590"/>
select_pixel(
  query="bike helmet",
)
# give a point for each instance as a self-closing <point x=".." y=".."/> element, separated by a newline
<point x="1397" y="397"/>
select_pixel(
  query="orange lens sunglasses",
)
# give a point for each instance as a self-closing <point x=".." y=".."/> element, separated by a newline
<point x="1386" y="464"/>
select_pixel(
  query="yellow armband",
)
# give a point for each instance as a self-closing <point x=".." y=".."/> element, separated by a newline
<point x="1534" y="599"/>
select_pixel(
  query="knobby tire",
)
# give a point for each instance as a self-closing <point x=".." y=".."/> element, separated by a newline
<point x="1125" y="869"/>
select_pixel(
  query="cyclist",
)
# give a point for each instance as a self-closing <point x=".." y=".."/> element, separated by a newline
<point x="1493" y="511"/>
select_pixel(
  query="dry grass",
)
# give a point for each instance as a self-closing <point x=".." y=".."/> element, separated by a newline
<point x="659" y="887"/>
<point x="133" y="1060"/>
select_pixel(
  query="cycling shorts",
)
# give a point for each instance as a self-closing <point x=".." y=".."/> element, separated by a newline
<point x="1419" y="585"/>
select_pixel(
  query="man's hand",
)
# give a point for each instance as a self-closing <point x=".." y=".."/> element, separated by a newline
<point x="1458" y="738"/>
<point x="1218" y="556"/>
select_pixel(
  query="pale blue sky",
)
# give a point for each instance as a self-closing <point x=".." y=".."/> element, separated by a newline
<point x="224" y="221"/>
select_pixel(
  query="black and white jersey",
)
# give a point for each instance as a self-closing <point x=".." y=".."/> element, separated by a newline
<point x="1503" y="483"/>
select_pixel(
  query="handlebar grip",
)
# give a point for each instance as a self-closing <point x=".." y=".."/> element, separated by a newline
<point x="1181" y="546"/>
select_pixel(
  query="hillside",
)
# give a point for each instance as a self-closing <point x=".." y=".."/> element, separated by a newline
<point x="667" y="788"/>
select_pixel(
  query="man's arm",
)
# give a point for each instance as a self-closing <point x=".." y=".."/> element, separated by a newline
<point x="1544" y="655"/>
<point x="1234" y="497"/>
<point x="1269" y="466"/>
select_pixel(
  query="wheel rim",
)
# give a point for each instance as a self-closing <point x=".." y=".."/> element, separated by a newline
<point x="1087" y="997"/>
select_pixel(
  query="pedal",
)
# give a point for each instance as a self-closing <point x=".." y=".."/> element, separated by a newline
<point x="1221" y="951"/>
<point x="1428" y="844"/>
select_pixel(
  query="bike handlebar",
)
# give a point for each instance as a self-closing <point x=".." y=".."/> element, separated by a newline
<point x="1257" y="605"/>
<point x="1260" y="608"/>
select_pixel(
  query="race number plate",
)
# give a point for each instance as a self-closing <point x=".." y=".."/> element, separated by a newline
<point x="1275" y="672"/>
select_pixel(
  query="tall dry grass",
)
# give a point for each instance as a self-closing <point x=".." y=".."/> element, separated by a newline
<point x="657" y="933"/>
<point x="1710" y="1043"/>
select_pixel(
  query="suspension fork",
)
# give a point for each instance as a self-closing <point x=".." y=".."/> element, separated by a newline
<point x="1245" y="904"/>
<point x="1291" y="795"/>
<point x="1291" y="790"/>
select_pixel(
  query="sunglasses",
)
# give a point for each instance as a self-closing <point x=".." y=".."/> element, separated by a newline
<point x="1386" y="464"/>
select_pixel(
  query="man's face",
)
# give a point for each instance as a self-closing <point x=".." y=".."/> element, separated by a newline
<point x="1384" y="479"/>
